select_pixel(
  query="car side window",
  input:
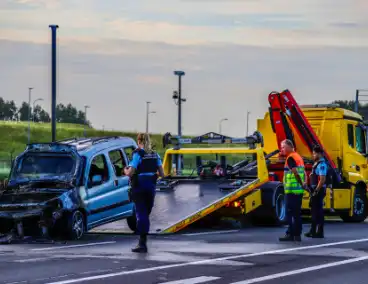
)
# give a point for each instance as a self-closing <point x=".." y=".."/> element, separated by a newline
<point x="129" y="153"/>
<point x="117" y="161"/>
<point x="98" y="168"/>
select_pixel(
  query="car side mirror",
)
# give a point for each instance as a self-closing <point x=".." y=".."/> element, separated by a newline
<point x="96" y="180"/>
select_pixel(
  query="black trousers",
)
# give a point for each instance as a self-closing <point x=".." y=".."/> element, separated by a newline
<point x="293" y="214"/>
<point x="316" y="204"/>
<point x="144" y="202"/>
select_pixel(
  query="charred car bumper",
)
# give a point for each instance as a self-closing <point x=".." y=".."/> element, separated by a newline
<point x="29" y="220"/>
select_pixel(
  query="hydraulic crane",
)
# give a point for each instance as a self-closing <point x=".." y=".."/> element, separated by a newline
<point x="284" y="110"/>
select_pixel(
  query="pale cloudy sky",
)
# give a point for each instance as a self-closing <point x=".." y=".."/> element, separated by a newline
<point x="116" y="54"/>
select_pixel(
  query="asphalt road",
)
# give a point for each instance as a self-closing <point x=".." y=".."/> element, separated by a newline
<point x="246" y="256"/>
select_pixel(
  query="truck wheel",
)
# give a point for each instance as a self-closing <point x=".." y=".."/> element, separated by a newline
<point x="273" y="210"/>
<point x="280" y="207"/>
<point x="132" y="222"/>
<point x="359" y="208"/>
<point x="76" y="225"/>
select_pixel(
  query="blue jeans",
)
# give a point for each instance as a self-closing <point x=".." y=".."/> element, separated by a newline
<point x="293" y="214"/>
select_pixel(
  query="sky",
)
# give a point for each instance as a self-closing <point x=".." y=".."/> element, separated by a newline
<point x="115" y="55"/>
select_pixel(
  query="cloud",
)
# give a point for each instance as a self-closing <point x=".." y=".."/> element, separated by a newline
<point x="220" y="81"/>
<point x="115" y="55"/>
<point x="257" y="23"/>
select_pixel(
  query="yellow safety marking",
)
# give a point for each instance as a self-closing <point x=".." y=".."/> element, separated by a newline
<point x="214" y="206"/>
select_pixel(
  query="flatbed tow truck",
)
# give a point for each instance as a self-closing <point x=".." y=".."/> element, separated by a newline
<point x="242" y="192"/>
<point x="252" y="190"/>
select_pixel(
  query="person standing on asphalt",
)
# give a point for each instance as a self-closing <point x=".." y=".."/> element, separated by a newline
<point x="294" y="184"/>
<point x="142" y="171"/>
<point x="318" y="192"/>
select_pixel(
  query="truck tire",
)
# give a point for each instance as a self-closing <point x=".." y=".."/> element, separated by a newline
<point x="280" y="206"/>
<point x="359" y="207"/>
<point x="273" y="209"/>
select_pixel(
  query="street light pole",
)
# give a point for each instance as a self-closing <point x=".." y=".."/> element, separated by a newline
<point x="85" y="119"/>
<point x="53" y="81"/>
<point x="220" y="122"/>
<point x="29" y="114"/>
<point x="248" y="112"/>
<point x="147" y="114"/>
<point x="177" y="95"/>
<point x="179" y="98"/>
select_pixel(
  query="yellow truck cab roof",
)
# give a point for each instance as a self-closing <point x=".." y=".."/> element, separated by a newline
<point x="329" y="112"/>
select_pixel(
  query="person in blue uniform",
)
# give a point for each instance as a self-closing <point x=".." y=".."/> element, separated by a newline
<point x="317" y="185"/>
<point x="142" y="170"/>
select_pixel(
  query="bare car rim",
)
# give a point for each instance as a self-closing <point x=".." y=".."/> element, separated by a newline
<point x="78" y="225"/>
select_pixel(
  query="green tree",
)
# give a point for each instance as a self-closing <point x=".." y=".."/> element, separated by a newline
<point x="23" y="112"/>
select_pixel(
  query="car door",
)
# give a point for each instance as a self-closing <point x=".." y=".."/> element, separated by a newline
<point x="98" y="194"/>
<point x="119" y="197"/>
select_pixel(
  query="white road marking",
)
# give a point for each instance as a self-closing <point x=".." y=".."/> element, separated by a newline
<point x="210" y="233"/>
<point x="33" y="259"/>
<point x="200" y="262"/>
<point x="303" y="270"/>
<point x="74" y="246"/>
<point x="165" y="257"/>
<point x="195" y="280"/>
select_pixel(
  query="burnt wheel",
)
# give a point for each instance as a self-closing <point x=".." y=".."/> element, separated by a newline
<point x="76" y="226"/>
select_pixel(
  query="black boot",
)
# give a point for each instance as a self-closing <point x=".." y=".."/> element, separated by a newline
<point x="142" y="245"/>
<point x="311" y="232"/>
<point x="286" y="238"/>
<point x="319" y="234"/>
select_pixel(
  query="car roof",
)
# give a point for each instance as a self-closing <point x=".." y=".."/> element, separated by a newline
<point x="89" y="146"/>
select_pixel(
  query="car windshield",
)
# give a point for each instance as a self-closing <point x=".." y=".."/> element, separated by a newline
<point x="38" y="166"/>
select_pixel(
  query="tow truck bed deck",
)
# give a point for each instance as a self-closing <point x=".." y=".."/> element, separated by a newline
<point x="188" y="199"/>
<point x="183" y="201"/>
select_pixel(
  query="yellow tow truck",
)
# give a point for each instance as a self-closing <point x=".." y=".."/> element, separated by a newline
<point x="343" y="136"/>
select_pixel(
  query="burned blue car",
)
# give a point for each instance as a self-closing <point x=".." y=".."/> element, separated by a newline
<point x="66" y="188"/>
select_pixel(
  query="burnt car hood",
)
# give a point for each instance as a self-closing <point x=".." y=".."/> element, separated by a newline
<point x="29" y="198"/>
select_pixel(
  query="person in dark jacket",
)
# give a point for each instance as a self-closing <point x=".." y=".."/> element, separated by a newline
<point x="142" y="170"/>
<point x="317" y="185"/>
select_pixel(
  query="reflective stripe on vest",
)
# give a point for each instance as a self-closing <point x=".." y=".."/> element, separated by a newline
<point x="291" y="184"/>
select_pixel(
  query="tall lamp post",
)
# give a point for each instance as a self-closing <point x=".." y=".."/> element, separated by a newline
<point x="220" y="123"/>
<point x="34" y="102"/>
<point x="148" y="112"/>
<point x="85" y="119"/>
<point x="178" y="100"/>
<point x="29" y="114"/>
<point x="248" y="112"/>
<point x="53" y="80"/>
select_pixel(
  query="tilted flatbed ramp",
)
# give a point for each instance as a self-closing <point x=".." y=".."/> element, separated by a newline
<point x="187" y="203"/>
<point x="196" y="207"/>
<point x="190" y="200"/>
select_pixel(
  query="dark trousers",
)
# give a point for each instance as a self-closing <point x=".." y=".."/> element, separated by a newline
<point x="316" y="204"/>
<point x="293" y="214"/>
<point x="143" y="201"/>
